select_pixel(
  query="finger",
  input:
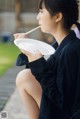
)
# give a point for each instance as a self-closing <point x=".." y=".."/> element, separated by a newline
<point x="20" y="35"/>
<point x="16" y="36"/>
<point x="38" y="51"/>
<point x="26" y="36"/>
<point x="26" y="52"/>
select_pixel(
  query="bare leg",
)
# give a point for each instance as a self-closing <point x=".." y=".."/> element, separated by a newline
<point x="30" y="91"/>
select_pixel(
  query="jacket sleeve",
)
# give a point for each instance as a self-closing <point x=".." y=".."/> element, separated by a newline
<point x="46" y="75"/>
<point x="52" y="79"/>
<point x="22" y="60"/>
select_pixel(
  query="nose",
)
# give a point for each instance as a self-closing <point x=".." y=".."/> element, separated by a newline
<point x="38" y="16"/>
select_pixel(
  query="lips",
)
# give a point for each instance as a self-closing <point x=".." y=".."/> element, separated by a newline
<point x="39" y="23"/>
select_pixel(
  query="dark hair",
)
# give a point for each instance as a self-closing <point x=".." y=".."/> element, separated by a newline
<point x="69" y="9"/>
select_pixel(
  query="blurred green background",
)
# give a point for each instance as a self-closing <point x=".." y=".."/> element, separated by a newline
<point x="8" y="55"/>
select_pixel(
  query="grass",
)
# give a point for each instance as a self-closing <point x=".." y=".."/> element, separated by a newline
<point x="8" y="55"/>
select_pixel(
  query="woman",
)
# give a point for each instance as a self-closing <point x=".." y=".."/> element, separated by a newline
<point x="51" y="89"/>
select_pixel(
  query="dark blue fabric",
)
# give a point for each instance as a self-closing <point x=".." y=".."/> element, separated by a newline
<point x="22" y="60"/>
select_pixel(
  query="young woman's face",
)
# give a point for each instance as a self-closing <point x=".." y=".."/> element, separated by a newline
<point x="45" y="20"/>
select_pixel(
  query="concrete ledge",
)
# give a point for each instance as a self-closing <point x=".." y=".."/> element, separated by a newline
<point x="15" y="108"/>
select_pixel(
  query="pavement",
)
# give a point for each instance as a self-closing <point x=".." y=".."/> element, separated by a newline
<point x="13" y="107"/>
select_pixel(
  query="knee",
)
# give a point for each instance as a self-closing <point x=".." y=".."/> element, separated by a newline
<point x="22" y="77"/>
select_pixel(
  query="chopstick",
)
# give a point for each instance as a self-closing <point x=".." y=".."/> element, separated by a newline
<point x="32" y="30"/>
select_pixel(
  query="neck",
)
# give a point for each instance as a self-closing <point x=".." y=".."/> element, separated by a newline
<point x="60" y="35"/>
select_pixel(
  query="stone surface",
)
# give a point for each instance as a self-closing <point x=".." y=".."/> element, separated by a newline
<point x="15" y="108"/>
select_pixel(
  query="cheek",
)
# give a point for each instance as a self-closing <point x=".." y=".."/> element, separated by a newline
<point x="47" y="26"/>
<point x="46" y="23"/>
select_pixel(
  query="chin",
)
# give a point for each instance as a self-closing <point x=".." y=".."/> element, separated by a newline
<point x="44" y="30"/>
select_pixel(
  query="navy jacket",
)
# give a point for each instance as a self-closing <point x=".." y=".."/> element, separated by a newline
<point x="59" y="77"/>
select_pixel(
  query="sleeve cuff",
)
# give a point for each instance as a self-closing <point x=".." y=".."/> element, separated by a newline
<point x="38" y="65"/>
<point x="21" y="60"/>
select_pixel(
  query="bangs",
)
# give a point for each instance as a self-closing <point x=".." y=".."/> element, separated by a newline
<point x="46" y="4"/>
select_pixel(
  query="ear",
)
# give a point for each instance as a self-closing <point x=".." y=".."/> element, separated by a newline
<point x="58" y="17"/>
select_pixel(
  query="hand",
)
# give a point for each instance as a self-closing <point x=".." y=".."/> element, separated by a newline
<point x="20" y="35"/>
<point x="32" y="57"/>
